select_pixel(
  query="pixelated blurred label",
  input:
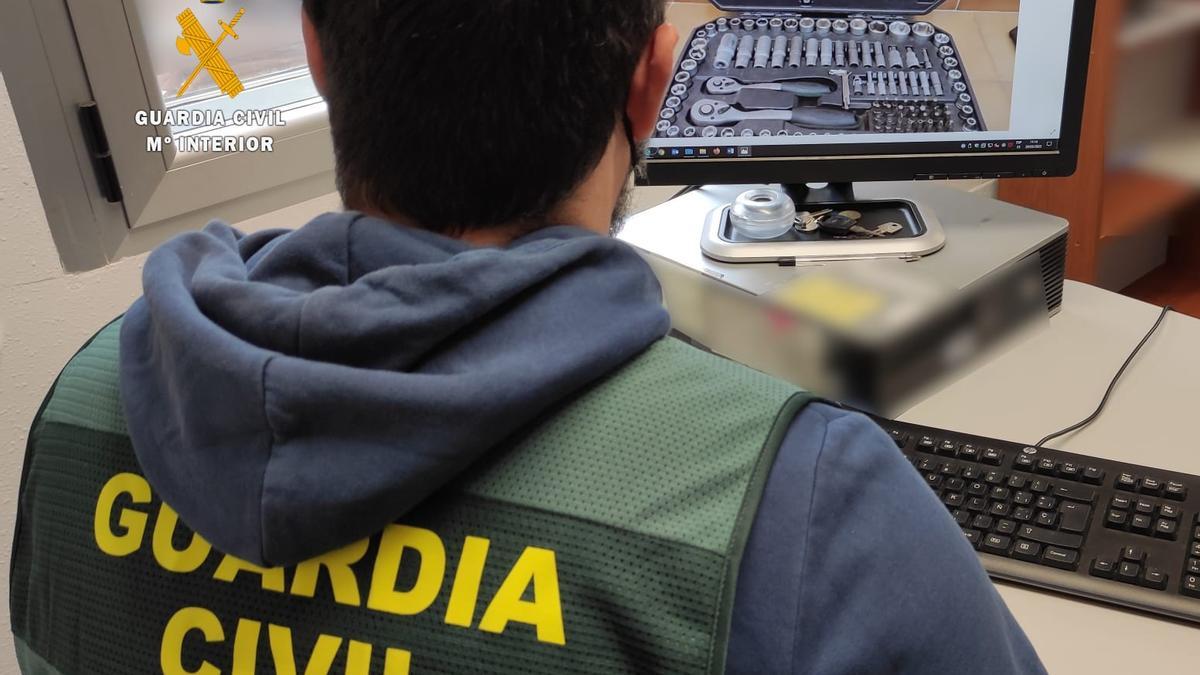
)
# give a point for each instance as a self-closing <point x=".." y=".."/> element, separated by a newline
<point x="832" y="301"/>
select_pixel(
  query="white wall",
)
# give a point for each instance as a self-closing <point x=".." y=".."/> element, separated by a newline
<point x="45" y="315"/>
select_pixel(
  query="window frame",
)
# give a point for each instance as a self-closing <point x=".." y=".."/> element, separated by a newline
<point x="60" y="54"/>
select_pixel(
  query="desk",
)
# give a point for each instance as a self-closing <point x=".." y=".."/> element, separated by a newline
<point x="1055" y="377"/>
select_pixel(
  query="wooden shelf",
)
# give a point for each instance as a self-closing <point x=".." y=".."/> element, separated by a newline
<point x="1175" y="155"/>
<point x="1169" y="20"/>
<point x="1172" y="285"/>
<point x="1133" y="202"/>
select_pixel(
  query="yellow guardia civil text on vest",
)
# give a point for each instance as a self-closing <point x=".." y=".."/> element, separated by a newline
<point x="605" y="539"/>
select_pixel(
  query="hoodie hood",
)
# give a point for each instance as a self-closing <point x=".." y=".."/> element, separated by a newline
<point x="289" y="393"/>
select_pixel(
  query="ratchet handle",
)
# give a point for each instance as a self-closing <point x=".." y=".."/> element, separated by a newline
<point x="807" y="89"/>
<point x="824" y="118"/>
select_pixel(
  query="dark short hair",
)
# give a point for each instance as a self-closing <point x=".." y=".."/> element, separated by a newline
<point x="468" y="114"/>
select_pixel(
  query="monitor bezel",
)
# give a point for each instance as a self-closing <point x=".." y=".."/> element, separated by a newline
<point x="896" y="161"/>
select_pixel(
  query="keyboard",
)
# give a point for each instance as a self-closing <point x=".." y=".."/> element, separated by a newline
<point x="1118" y="533"/>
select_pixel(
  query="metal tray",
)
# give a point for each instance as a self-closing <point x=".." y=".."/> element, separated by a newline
<point x="922" y="236"/>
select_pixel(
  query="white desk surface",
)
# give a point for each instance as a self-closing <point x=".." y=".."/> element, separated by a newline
<point x="1052" y="380"/>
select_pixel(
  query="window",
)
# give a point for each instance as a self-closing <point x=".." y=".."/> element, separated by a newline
<point x="144" y="118"/>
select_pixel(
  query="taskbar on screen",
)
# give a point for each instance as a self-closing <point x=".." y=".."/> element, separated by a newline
<point x="731" y="147"/>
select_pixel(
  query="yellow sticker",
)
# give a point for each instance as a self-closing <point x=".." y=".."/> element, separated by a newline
<point x="833" y="301"/>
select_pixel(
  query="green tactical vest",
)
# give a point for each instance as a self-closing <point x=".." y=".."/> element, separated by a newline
<point x="605" y="540"/>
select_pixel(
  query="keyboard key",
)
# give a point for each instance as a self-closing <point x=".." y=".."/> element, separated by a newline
<point x="982" y="522"/>
<point x="1060" y="558"/>
<point x="1155" y="578"/>
<point x="933" y="480"/>
<point x="1127" y="481"/>
<point x="1129" y="572"/>
<point x="1150" y="486"/>
<point x="1040" y="486"/>
<point x="1196" y="534"/>
<point x="1000" y="493"/>
<point x="1069" y="471"/>
<point x="1042" y="536"/>
<point x="1093" y="475"/>
<point x="996" y="543"/>
<point x="1133" y="554"/>
<point x="962" y="517"/>
<point x="1074" y="517"/>
<point x="1166" y="529"/>
<point x="976" y="504"/>
<point x="971" y="473"/>
<point x="948" y="448"/>
<point x="993" y="457"/>
<point x="927" y="465"/>
<point x="949" y="469"/>
<point x="1103" y="568"/>
<point x="1022" y="514"/>
<point x="1027" y="550"/>
<point x="1143" y="506"/>
<point x="1120" y="502"/>
<point x="1000" y="509"/>
<point x="1024" y="462"/>
<point x="1116" y="520"/>
<point x="955" y="484"/>
<point x="927" y="444"/>
<point x="953" y="500"/>
<point x="993" y="478"/>
<point x="899" y="437"/>
<point x="969" y="452"/>
<point x="1194" y="551"/>
<point x="1191" y="586"/>
<point x="1046" y="466"/>
<point x="1047" y="519"/>
<point x="1023" y="498"/>
<point x="1140" y="523"/>
<point x="1193" y="566"/>
<point x="1076" y="493"/>
<point x="977" y="489"/>
<point x="973" y="537"/>
<point x="1170" y="511"/>
<point x="1046" y="503"/>
<point x="1017" y="482"/>
<point x="1176" y="491"/>
<point x="1006" y="527"/>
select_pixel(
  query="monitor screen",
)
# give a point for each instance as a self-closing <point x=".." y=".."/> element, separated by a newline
<point x="815" y="94"/>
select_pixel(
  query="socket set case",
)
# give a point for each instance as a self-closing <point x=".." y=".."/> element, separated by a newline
<point x="819" y="69"/>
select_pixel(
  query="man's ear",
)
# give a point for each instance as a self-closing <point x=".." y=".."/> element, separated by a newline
<point x="312" y="47"/>
<point x="650" y="80"/>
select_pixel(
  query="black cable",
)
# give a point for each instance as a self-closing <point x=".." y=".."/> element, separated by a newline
<point x="684" y="191"/>
<point x="1104" y="401"/>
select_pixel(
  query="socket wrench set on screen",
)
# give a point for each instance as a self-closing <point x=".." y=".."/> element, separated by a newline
<point x="789" y="74"/>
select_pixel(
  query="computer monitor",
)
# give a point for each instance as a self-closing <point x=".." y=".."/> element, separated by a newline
<point x="795" y="91"/>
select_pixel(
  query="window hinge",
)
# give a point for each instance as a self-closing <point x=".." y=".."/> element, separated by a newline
<point x="102" y="160"/>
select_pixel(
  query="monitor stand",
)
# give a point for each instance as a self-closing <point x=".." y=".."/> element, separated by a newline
<point x="919" y="233"/>
<point x="818" y="193"/>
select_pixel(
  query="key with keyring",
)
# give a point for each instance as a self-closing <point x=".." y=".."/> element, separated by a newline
<point x="845" y="224"/>
<point x="810" y="222"/>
